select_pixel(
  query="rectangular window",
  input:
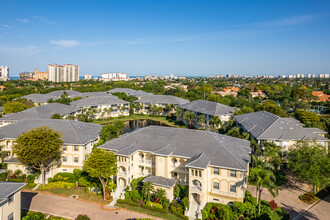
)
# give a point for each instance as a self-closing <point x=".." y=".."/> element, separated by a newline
<point x="76" y="159"/>
<point x="233" y="188"/>
<point x="215" y="199"/>
<point x="10" y="199"/>
<point x="64" y="158"/>
<point x="75" y="148"/>
<point x="216" y="171"/>
<point x="11" y="216"/>
<point x="64" y="148"/>
<point x="232" y="173"/>
<point x="216" y="185"/>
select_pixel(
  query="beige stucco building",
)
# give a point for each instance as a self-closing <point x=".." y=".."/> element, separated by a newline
<point x="10" y="200"/>
<point x="78" y="140"/>
<point x="214" y="166"/>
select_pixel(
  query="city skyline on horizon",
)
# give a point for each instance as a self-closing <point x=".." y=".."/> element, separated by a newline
<point x="186" y="38"/>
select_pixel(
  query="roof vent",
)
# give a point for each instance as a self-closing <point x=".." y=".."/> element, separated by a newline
<point x="291" y="128"/>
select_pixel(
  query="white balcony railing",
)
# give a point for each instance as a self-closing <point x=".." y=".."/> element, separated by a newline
<point x="224" y="193"/>
<point x="149" y="161"/>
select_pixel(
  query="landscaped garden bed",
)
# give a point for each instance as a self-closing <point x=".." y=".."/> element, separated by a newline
<point x="308" y="198"/>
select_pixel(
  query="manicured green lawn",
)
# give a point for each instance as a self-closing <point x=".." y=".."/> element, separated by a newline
<point x="80" y="192"/>
<point x="149" y="212"/>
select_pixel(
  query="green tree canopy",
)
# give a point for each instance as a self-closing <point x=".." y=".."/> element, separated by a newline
<point x="310" y="163"/>
<point x="39" y="148"/>
<point x="56" y="116"/>
<point x="13" y="107"/>
<point x="101" y="164"/>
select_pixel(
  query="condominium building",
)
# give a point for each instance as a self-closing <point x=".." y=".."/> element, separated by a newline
<point x="208" y="110"/>
<point x="4" y="73"/>
<point x="159" y="101"/>
<point x="88" y="77"/>
<point x="78" y="140"/>
<point x="63" y="73"/>
<point x="214" y="166"/>
<point x="33" y="76"/>
<point x="10" y="200"/>
<point x="114" y="76"/>
<point x="43" y="111"/>
<point x="103" y="106"/>
<point x="285" y="132"/>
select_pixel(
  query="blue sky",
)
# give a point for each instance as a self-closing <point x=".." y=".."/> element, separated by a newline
<point x="190" y="37"/>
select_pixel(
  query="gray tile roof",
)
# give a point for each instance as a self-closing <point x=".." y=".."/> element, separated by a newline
<point x="2" y="171"/>
<point x="163" y="99"/>
<point x="71" y="93"/>
<point x="160" y="181"/>
<point x="98" y="100"/>
<point x="12" y="160"/>
<point x="209" y="108"/>
<point x="128" y="91"/>
<point x="74" y="132"/>
<point x="198" y="161"/>
<point x="9" y="188"/>
<point x="92" y="94"/>
<point x="221" y="150"/>
<point x="266" y="126"/>
<point x="39" y="98"/>
<point x="44" y="111"/>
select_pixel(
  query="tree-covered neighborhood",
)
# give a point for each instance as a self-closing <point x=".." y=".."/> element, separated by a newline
<point x="174" y="149"/>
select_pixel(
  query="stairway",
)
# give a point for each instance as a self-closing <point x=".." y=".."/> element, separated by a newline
<point x="194" y="209"/>
<point x="118" y="192"/>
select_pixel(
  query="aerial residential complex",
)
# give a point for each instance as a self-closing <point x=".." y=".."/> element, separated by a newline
<point x="214" y="166"/>
<point x="78" y="140"/>
<point x="267" y="127"/>
<point x="137" y="93"/>
<point x="10" y="200"/>
<point x="63" y="73"/>
<point x="209" y="110"/>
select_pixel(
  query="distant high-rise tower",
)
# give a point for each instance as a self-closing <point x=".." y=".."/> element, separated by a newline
<point x="63" y="73"/>
<point x="4" y="73"/>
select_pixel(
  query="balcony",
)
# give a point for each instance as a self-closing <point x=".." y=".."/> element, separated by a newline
<point x="122" y="173"/>
<point x="196" y="188"/>
<point x="224" y="193"/>
<point x="149" y="161"/>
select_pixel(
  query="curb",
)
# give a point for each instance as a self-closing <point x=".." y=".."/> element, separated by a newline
<point x="301" y="214"/>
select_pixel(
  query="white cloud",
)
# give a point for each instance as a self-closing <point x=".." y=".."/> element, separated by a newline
<point x="65" y="43"/>
<point x="24" y="51"/>
<point x="44" y="20"/>
<point x="285" y="22"/>
<point x="24" y="20"/>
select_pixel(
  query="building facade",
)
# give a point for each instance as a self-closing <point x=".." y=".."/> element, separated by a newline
<point x="4" y="73"/>
<point x="10" y="200"/>
<point x="78" y="140"/>
<point x="63" y="73"/>
<point x="214" y="166"/>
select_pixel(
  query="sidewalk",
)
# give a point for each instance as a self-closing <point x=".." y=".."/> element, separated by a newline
<point x="70" y="208"/>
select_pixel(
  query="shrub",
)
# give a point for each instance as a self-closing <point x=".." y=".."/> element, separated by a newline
<point x="77" y="173"/>
<point x="31" y="185"/>
<point x="66" y="177"/>
<point x="30" y="178"/>
<point x="4" y="176"/>
<point x="135" y="195"/>
<point x="165" y="211"/>
<point x="50" y="180"/>
<point x="273" y="204"/>
<point x="128" y="202"/>
<point x="308" y="198"/>
<point x="34" y="215"/>
<point x="83" y="181"/>
<point x="180" y="215"/>
<point x="82" y="217"/>
<point x="57" y="185"/>
<point x="185" y="202"/>
<point x="153" y="204"/>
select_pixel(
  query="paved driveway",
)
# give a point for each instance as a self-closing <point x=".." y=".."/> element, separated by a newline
<point x="288" y="197"/>
<point x="70" y="208"/>
<point x="319" y="211"/>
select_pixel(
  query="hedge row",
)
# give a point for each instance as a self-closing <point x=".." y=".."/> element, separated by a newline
<point x="128" y="202"/>
<point x="178" y="214"/>
<point x="165" y="211"/>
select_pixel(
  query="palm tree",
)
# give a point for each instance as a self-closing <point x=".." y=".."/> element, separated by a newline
<point x="201" y="120"/>
<point x="169" y="108"/>
<point x="215" y="121"/>
<point x="138" y="107"/>
<point x="272" y="153"/>
<point x="262" y="174"/>
<point x="147" y="190"/>
<point x="160" y="194"/>
<point x="189" y="116"/>
<point x="178" y="114"/>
